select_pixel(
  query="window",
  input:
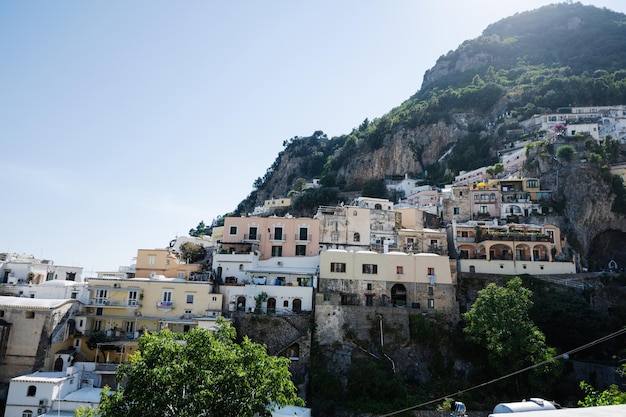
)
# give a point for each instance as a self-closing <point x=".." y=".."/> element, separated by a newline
<point x="457" y="210"/>
<point x="277" y="251"/>
<point x="253" y="233"/>
<point x="214" y="298"/>
<point x="32" y="391"/>
<point x="97" y="325"/>
<point x="326" y="297"/>
<point x="431" y="270"/>
<point x="286" y="303"/>
<point x="532" y="184"/>
<point x="233" y="230"/>
<point x="369" y="300"/>
<point x="180" y="275"/>
<point x="1" y="313"/>
<point x="334" y="237"/>
<point x="129" y="326"/>
<point x="30" y="314"/>
<point x="399" y="270"/>
<point x="300" y="250"/>
<point x="431" y="290"/>
<point x="167" y="262"/>
<point x="357" y="237"/>
<point x="304" y="234"/>
<point x="27" y="413"/>
<point x="70" y="276"/>
<point x="431" y="303"/>
<point x="132" y="298"/>
<point x="151" y="259"/>
<point x="369" y="286"/>
<point x="74" y="295"/>
<point x="50" y="276"/>
<point x="278" y="233"/>
<point x="189" y="298"/>
<point x="370" y="269"/>
<point x="354" y="213"/>
<point x="167" y="296"/>
<point x="337" y="267"/>
<point x="484" y="210"/>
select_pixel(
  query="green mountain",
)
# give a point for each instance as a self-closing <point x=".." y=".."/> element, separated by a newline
<point x="537" y="61"/>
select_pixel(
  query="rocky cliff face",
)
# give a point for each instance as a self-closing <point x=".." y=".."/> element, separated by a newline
<point x="587" y="218"/>
<point x="403" y="152"/>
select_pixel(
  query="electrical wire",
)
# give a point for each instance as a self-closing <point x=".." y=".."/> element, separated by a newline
<point x="564" y="355"/>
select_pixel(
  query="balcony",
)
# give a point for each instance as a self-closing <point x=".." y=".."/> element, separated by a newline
<point x="165" y="304"/>
<point x="277" y="237"/>
<point x="302" y="238"/>
<point x="252" y="237"/>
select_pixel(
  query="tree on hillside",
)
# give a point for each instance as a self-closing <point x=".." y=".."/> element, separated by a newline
<point x="499" y="322"/>
<point x="191" y="252"/>
<point x="198" y="373"/>
<point x="200" y="230"/>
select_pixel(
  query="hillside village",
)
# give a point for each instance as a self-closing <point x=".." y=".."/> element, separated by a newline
<point x="63" y="334"/>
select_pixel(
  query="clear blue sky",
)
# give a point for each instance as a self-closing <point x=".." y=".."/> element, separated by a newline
<point x="123" y="124"/>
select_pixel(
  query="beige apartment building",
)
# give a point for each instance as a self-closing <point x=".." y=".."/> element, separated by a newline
<point x="422" y="281"/>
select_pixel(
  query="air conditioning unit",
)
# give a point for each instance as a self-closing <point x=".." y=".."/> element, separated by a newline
<point x="40" y="411"/>
<point x="138" y="313"/>
<point x="280" y="263"/>
<point x="116" y="285"/>
<point x="43" y="402"/>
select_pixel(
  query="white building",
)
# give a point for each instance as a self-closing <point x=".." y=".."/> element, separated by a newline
<point x="54" y="393"/>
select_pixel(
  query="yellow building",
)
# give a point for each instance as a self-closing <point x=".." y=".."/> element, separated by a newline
<point x="120" y="309"/>
<point x="151" y="262"/>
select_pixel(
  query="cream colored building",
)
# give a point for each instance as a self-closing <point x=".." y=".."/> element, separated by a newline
<point x="511" y="249"/>
<point x="277" y="202"/>
<point x="421" y="281"/>
<point x="121" y="309"/>
<point x="344" y="227"/>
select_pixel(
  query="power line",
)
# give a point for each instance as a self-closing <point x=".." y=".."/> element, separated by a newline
<point x="562" y="355"/>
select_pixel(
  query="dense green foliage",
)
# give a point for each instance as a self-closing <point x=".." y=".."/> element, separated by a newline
<point x="499" y="322"/>
<point x="611" y="396"/>
<point x="198" y="373"/>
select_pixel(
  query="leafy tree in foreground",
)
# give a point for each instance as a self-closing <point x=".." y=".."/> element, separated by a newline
<point x="610" y="396"/>
<point x="499" y="322"/>
<point x="200" y="374"/>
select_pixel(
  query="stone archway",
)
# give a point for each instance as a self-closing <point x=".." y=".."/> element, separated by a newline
<point x="398" y="295"/>
<point x="241" y="303"/>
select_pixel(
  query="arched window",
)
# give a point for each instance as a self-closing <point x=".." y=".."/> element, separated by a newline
<point x="27" y="413"/>
<point x="357" y="237"/>
<point x="32" y="391"/>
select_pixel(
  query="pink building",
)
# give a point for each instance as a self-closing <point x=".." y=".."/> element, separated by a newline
<point x="271" y="236"/>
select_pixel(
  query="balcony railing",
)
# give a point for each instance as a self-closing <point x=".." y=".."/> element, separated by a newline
<point x="277" y="237"/>
<point x="164" y="304"/>
<point x="515" y="237"/>
<point x="302" y="238"/>
<point x="254" y="237"/>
